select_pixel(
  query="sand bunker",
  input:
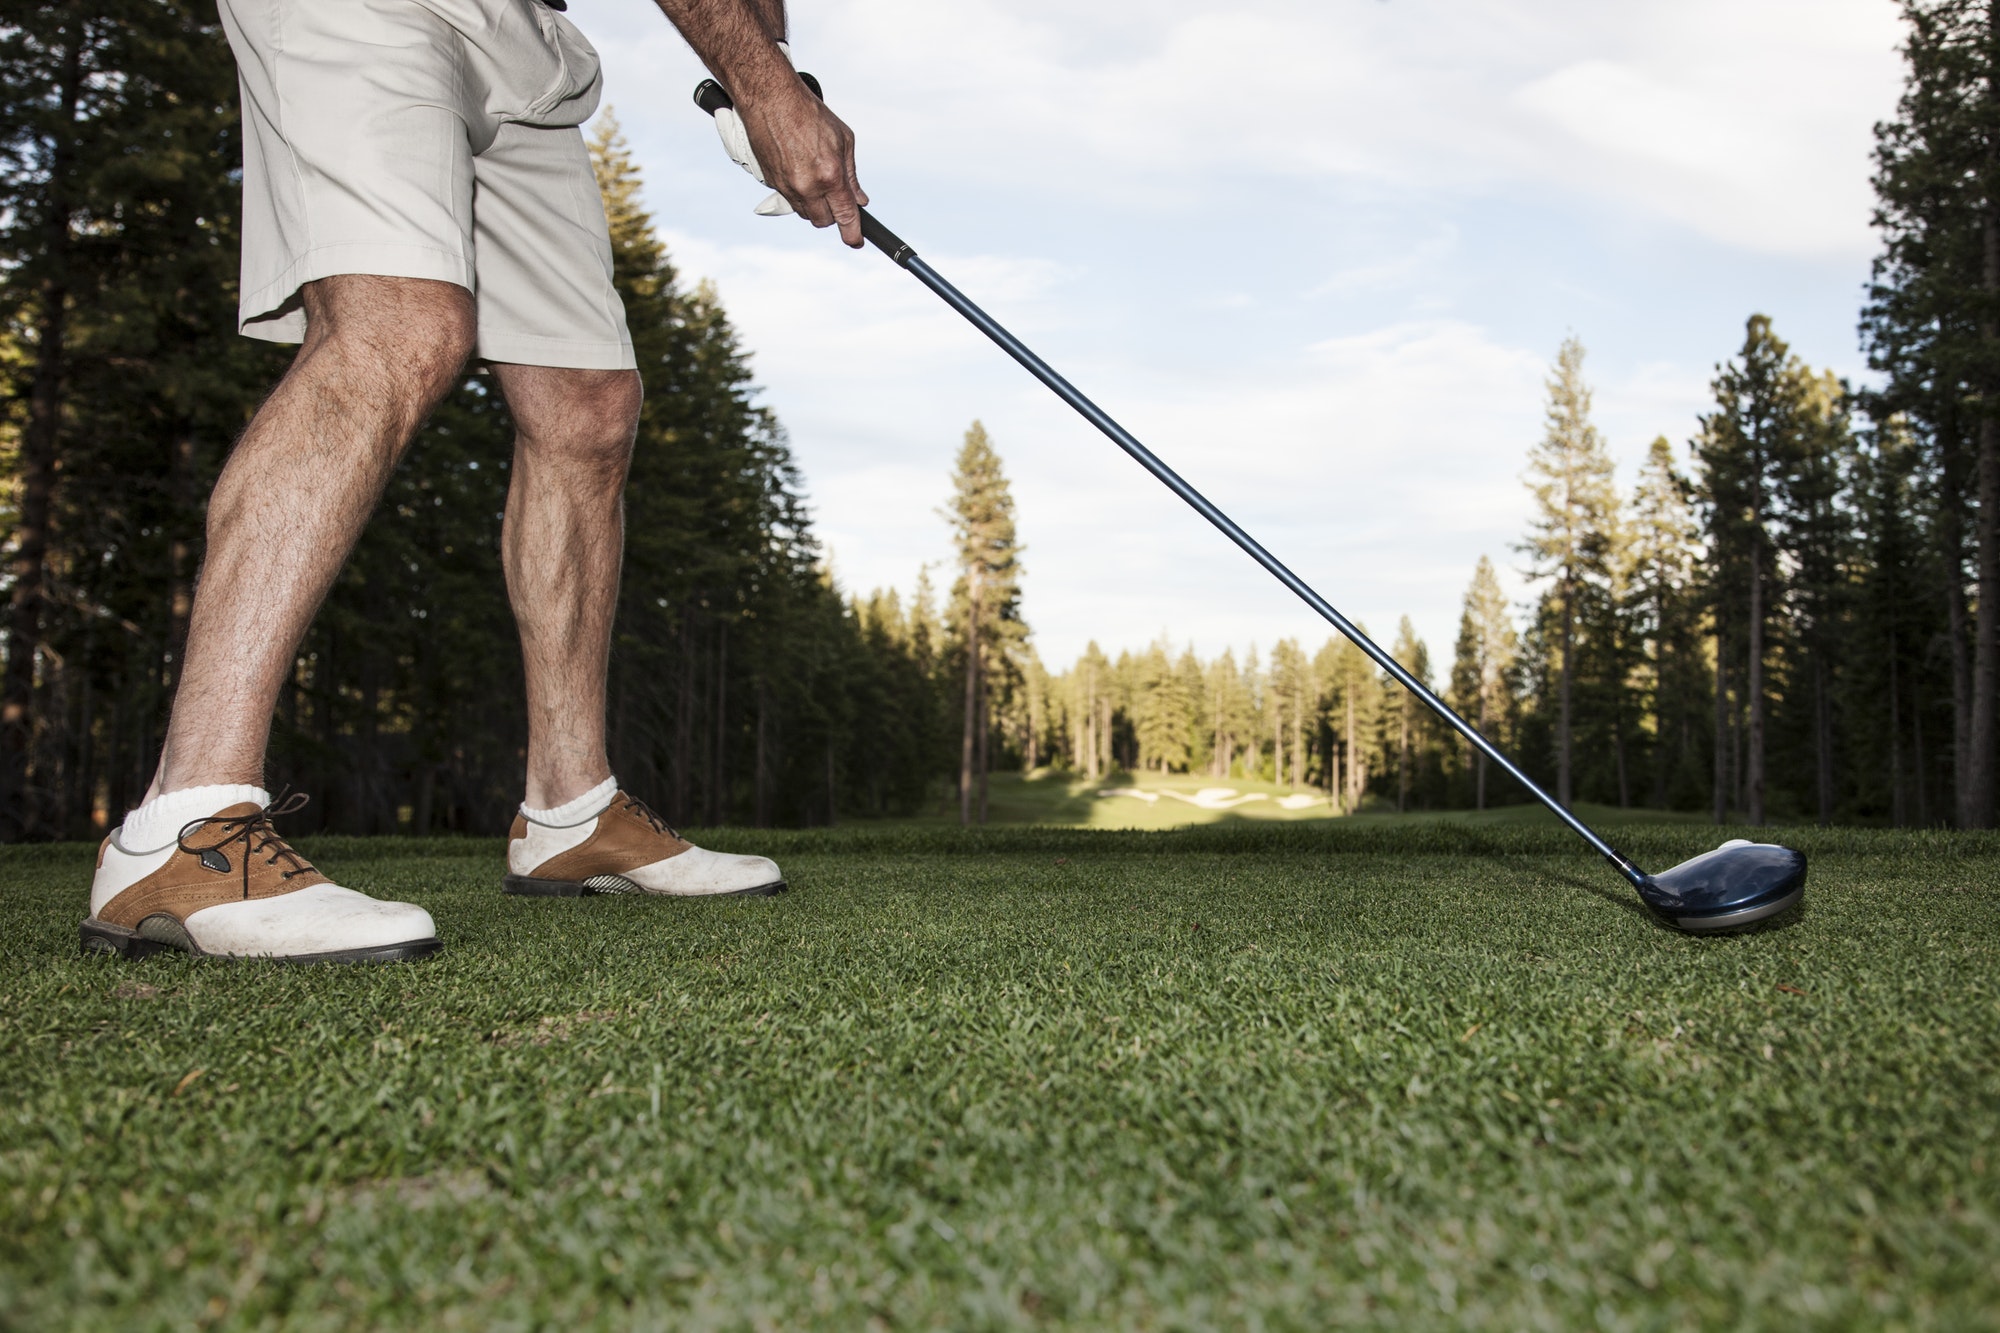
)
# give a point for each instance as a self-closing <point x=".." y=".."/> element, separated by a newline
<point x="1208" y="798"/>
<point x="1216" y="798"/>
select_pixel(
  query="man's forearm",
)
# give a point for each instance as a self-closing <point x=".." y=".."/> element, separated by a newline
<point x="736" y="39"/>
<point x="799" y="147"/>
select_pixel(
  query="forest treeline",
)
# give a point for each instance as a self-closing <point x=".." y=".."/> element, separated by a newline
<point x="1794" y="611"/>
<point x="1760" y="631"/>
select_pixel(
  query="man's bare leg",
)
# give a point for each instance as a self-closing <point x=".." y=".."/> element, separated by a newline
<point x="379" y="354"/>
<point x="563" y="542"/>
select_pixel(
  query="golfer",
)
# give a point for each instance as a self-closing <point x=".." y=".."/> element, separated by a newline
<point x="416" y="191"/>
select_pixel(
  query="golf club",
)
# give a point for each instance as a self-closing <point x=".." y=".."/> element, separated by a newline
<point x="1738" y="884"/>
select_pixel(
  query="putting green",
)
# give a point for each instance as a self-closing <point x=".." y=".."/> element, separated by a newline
<point x="1296" y="1074"/>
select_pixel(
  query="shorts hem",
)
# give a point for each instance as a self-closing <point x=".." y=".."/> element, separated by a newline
<point x="528" y="349"/>
<point x="273" y="312"/>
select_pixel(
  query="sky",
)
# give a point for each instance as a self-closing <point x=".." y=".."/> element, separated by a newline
<point x="1317" y="254"/>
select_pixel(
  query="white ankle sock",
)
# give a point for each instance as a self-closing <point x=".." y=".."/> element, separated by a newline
<point x="160" y="820"/>
<point x="587" y="806"/>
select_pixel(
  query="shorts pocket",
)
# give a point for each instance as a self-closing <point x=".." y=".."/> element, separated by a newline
<point x="523" y="63"/>
<point x="573" y="91"/>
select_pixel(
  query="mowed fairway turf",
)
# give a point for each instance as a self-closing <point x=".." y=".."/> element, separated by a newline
<point x="1284" y="1075"/>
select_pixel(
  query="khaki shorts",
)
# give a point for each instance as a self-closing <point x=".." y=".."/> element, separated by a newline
<point x="427" y="139"/>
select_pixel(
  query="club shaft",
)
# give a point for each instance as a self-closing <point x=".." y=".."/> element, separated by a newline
<point x="887" y="242"/>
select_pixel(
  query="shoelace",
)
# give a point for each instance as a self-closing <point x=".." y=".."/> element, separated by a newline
<point x="255" y="833"/>
<point x="645" y="812"/>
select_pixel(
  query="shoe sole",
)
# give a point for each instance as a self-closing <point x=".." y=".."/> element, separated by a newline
<point x="100" y="937"/>
<point x="526" y="886"/>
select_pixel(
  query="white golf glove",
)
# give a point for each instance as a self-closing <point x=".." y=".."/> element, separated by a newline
<point x="736" y="142"/>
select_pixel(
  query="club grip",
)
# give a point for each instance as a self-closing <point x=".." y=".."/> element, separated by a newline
<point x="711" y="96"/>
<point x="885" y="240"/>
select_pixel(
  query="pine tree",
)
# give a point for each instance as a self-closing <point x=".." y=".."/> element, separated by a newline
<point x="1353" y="702"/>
<point x="1894" y="683"/>
<point x="986" y="601"/>
<point x="1411" y="718"/>
<point x="1746" y="448"/>
<point x="1932" y="326"/>
<point x="1091" y="708"/>
<point x="1815" y="535"/>
<point x="1666" y="600"/>
<point x="1292" y="697"/>
<point x="1228" y="709"/>
<point x="1190" y="685"/>
<point x="1163" y="714"/>
<point x="1569" y="473"/>
<point x="1487" y="644"/>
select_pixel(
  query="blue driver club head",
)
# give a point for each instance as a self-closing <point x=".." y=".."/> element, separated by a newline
<point x="1738" y="884"/>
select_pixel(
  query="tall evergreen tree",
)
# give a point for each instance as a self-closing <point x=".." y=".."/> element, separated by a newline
<point x="1668" y="616"/>
<point x="1411" y="720"/>
<point x="1893" y="685"/>
<point x="1815" y="533"/>
<point x="1747" y="448"/>
<point x="986" y="601"/>
<point x="1569" y="539"/>
<point x="1487" y="644"/>
<point x="1932" y="327"/>
<point x="1228" y="713"/>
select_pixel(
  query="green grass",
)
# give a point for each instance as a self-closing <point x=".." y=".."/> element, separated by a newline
<point x="1285" y="1075"/>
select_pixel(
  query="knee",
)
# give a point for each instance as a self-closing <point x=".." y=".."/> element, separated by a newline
<point x="582" y="420"/>
<point x="410" y="337"/>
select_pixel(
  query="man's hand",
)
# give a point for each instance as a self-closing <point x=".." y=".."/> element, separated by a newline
<point x="806" y="153"/>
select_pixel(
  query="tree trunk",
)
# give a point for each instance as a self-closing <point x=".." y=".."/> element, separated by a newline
<point x="1951" y="544"/>
<point x="1823" y="737"/>
<point x="1564" y="791"/>
<point x="680" y="782"/>
<point x="1618" y="746"/>
<point x="420" y="804"/>
<point x="984" y="737"/>
<point x="1721" y="730"/>
<point x="1981" y="739"/>
<point x="965" y="747"/>
<point x="1976" y="803"/>
<point x="1086" y="728"/>
<point x="1479" y="755"/>
<point x="1897" y="810"/>
<point x="1917" y="751"/>
<point x="718" y="769"/>
<point x="1033" y="746"/>
<point x="832" y="786"/>
<point x="1403" y="757"/>
<point x="1298" y="744"/>
<point x="180" y="558"/>
<point x="1105" y="757"/>
<point x="1754" y="687"/>
<point x="760" y="797"/>
<point x="1354" y="770"/>
<point x="37" y="469"/>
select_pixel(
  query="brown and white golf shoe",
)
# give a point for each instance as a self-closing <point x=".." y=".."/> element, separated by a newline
<point x="626" y="848"/>
<point x="231" y="887"/>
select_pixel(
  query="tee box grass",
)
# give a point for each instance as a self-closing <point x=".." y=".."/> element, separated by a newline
<point x="1282" y="1075"/>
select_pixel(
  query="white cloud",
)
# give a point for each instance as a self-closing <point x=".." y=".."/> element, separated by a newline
<point x="1318" y="253"/>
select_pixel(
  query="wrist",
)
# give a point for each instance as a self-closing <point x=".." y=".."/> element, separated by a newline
<point x="763" y="72"/>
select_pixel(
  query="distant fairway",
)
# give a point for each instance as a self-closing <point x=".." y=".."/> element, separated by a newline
<point x="1064" y="800"/>
<point x="1375" y="1073"/>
